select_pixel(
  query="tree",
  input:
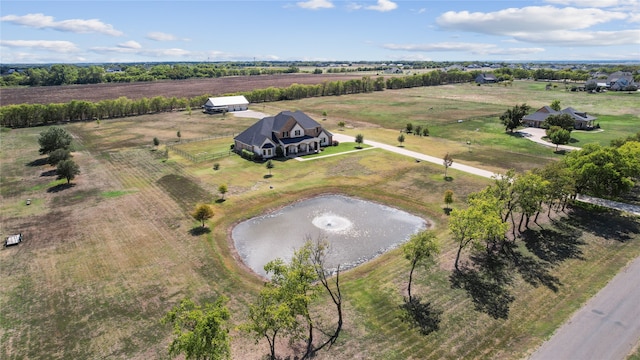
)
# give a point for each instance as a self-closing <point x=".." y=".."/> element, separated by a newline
<point x="448" y="199"/>
<point x="425" y="131"/>
<point x="200" y="333"/>
<point x="555" y="105"/>
<point x="156" y="142"/>
<point x="564" y="121"/>
<point x="401" y="139"/>
<point x="558" y="135"/>
<point x="179" y="135"/>
<point x="447" y="161"/>
<point x="54" y="138"/>
<point x="222" y="189"/>
<point x="67" y="169"/>
<point x="269" y="166"/>
<point x="409" y="128"/>
<point x="341" y="125"/>
<point x="359" y="140"/>
<point x="419" y="250"/>
<point x="202" y="212"/>
<point x="58" y="155"/>
<point x="512" y="118"/>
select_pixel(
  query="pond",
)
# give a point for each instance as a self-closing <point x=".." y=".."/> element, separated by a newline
<point x="357" y="231"/>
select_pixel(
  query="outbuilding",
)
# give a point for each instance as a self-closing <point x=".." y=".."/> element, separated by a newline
<point x="226" y="103"/>
<point x="13" y="240"/>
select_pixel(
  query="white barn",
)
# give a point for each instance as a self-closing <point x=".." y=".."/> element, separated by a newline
<point x="226" y="103"/>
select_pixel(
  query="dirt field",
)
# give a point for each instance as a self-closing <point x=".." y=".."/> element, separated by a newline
<point x="170" y="88"/>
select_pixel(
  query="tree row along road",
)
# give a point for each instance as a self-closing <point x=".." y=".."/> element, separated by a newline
<point x="608" y="325"/>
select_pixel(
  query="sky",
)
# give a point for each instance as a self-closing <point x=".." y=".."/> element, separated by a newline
<point x="119" y="31"/>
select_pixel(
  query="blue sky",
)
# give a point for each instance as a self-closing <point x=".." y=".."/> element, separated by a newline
<point x="318" y="30"/>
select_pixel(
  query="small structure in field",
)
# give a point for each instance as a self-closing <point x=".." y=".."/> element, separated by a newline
<point x="13" y="240"/>
<point x="226" y="103"/>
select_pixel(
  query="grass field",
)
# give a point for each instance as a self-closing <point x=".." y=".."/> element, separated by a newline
<point x="105" y="259"/>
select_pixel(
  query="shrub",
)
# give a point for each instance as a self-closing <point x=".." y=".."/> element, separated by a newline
<point x="248" y="154"/>
<point x="216" y="166"/>
<point x="335" y="143"/>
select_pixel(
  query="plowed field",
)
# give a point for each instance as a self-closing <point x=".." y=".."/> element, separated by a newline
<point x="168" y="88"/>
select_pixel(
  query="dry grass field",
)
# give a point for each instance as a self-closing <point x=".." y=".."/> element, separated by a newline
<point x="103" y="260"/>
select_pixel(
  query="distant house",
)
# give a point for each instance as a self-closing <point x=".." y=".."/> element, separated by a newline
<point x="620" y="80"/>
<point x="293" y="132"/>
<point x="393" y="70"/>
<point x="486" y="79"/>
<point x="13" y="240"/>
<point x="582" y="119"/>
<point x="226" y="103"/>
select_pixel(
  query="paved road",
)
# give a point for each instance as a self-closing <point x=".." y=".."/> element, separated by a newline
<point x="606" y="327"/>
<point x="416" y="155"/>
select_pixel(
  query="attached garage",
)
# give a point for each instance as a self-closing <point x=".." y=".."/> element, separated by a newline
<point x="226" y="103"/>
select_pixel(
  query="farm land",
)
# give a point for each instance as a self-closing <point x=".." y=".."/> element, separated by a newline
<point x="105" y="259"/>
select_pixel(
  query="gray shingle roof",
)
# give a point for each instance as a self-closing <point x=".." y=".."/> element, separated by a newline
<point x="264" y="128"/>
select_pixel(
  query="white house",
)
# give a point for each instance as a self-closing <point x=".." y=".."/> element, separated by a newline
<point x="226" y="103"/>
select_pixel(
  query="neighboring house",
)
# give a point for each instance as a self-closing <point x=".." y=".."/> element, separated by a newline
<point x="226" y="103"/>
<point x="582" y="119"/>
<point x="393" y="70"/>
<point x="293" y="132"/>
<point x="486" y="79"/>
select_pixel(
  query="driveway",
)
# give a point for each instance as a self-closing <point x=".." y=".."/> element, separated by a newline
<point x="536" y="134"/>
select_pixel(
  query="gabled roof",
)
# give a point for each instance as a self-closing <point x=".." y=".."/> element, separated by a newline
<point x="227" y="100"/>
<point x="541" y="114"/>
<point x="265" y="128"/>
<point x="544" y="112"/>
<point x="578" y="115"/>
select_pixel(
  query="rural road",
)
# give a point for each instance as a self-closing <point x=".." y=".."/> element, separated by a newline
<point x="606" y="327"/>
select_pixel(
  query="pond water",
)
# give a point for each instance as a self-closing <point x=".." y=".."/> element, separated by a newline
<point x="357" y="231"/>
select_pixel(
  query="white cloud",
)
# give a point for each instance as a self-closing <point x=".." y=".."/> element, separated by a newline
<point x="47" y="45"/>
<point x="315" y="4"/>
<point x="383" y="6"/>
<point x="79" y="26"/>
<point x="596" y="3"/>
<point x="130" y="45"/>
<point x="527" y="19"/>
<point x="583" y="38"/>
<point x="160" y="36"/>
<point x="474" y="48"/>
<point x="156" y="53"/>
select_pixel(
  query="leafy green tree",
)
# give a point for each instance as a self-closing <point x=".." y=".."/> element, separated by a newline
<point x="54" y="138"/>
<point x="419" y="250"/>
<point x="156" y="142"/>
<point x="401" y="139"/>
<point x="480" y="221"/>
<point x="200" y="333"/>
<point x="222" y="189"/>
<point x="202" y="212"/>
<point x="555" y="105"/>
<point x="179" y="135"/>
<point x="58" y="155"/>
<point x="425" y="131"/>
<point x="269" y="166"/>
<point x="448" y="198"/>
<point x="600" y="171"/>
<point x="558" y="135"/>
<point x="512" y="118"/>
<point x="67" y="169"/>
<point x="621" y="141"/>
<point x="418" y="130"/>
<point x="341" y="125"/>
<point x="447" y="161"/>
<point x="409" y="128"/>
<point x="359" y="140"/>
<point x="564" y="121"/>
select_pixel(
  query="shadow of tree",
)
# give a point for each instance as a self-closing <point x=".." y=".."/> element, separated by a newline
<point x="609" y="224"/>
<point x="38" y="162"/>
<point x="51" y="172"/>
<point x="267" y="176"/>
<point x="535" y="272"/>
<point x="421" y="315"/>
<point x="220" y="201"/>
<point x="60" y="187"/>
<point x="487" y="284"/>
<point x="199" y="230"/>
<point x="447" y="211"/>
<point x="555" y="244"/>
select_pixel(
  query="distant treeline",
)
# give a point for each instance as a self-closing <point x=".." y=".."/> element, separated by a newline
<point x="67" y="74"/>
<point x="27" y="115"/>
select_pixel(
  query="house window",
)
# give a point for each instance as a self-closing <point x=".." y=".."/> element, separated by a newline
<point x="285" y="134"/>
<point x="297" y="132"/>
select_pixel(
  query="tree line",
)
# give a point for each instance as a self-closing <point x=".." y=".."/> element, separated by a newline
<point x="28" y="115"/>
